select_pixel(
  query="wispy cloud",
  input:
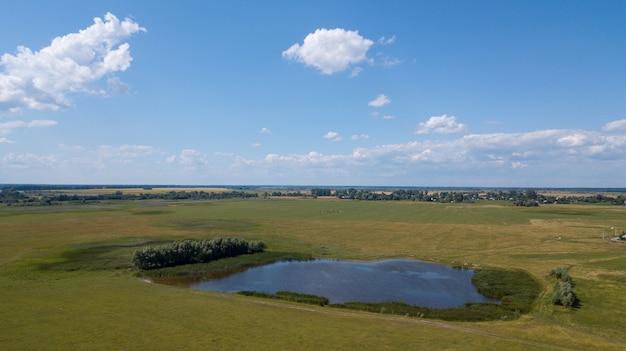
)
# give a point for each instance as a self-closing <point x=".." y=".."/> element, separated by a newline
<point x="615" y="125"/>
<point x="265" y="131"/>
<point x="386" y="41"/>
<point x="9" y="127"/>
<point x="355" y="72"/>
<point x="72" y="63"/>
<point x="359" y="137"/>
<point x="441" y="125"/>
<point x="388" y="62"/>
<point x="330" y="50"/>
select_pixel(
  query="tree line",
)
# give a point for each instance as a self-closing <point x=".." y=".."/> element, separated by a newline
<point x="193" y="251"/>
<point x="11" y="195"/>
<point x="528" y="198"/>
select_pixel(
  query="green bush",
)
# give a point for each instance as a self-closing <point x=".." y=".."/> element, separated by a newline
<point x="563" y="288"/>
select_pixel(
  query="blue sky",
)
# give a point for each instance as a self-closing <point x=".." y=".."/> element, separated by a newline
<point x="394" y="93"/>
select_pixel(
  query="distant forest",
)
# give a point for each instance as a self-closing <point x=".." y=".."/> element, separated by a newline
<point x="32" y="195"/>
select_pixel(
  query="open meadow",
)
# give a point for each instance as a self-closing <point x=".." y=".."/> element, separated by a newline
<point x="66" y="280"/>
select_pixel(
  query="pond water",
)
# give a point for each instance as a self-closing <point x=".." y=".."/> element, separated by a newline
<point x="413" y="282"/>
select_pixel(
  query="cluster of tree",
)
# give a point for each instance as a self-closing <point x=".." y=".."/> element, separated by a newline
<point x="275" y="193"/>
<point x="10" y="195"/>
<point x="193" y="251"/>
<point x="563" y="288"/>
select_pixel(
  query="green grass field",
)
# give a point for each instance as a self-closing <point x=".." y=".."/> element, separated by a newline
<point x="66" y="281"/>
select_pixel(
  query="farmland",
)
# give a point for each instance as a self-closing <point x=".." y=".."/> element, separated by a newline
<point x="66" y="280"/>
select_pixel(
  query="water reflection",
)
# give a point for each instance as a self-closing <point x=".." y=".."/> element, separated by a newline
<point x="412" y="282"/>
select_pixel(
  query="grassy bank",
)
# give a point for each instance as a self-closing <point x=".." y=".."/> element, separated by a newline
<point x="66" y="281"/>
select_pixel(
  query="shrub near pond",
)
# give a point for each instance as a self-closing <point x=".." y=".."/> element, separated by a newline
<point x="193" y="251"/>
<point x="563" y="288"/>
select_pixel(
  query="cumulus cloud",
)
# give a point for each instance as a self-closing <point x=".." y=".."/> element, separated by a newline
<point x="507" y="152"/>
<point x="380" y="101"/>
<point x="330" y="50"/>
<point x="542" y="154"/>
<point x="190" y="159"/>
<point x="73" y="63"/>
<point x="333" y="136"/>
<point x="441" y="125"/>
<point x="265" y="131"/>
<point x="615" y="125"/>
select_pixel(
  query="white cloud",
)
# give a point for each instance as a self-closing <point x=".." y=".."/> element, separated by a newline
<point x="8" y="127"/>
<point x="27" y="160"/>
<point x="190" y="159"/>
<point x="126" y="151"/>
<point x="576" y="139"/>
<point x="388" y="117"/>
<point x="330" y="50"/>
<point x="615" y="125"/>
<point x="441" y="125"/>
<point x="387" y="41"/>
<point x="72" y="63"/>
<point x="380" y="101"/>
<point x="355" y="72"/>
<point x="226" y="154"/>
<point x="388" y="62"/>
<point x="255" y="144"/>
<point x="544" y="156"/>
<point x="333" y="136"/>
<point x="360" y="137"/>
<point x="119" y="155"/>
<point x="6" y="141"/>
<point x="265" y="131"/>
<point x="117" y="87"/>
<point x="534" y="152"/>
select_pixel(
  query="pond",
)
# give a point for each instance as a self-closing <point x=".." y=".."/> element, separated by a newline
<point x="413" y="282"/>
